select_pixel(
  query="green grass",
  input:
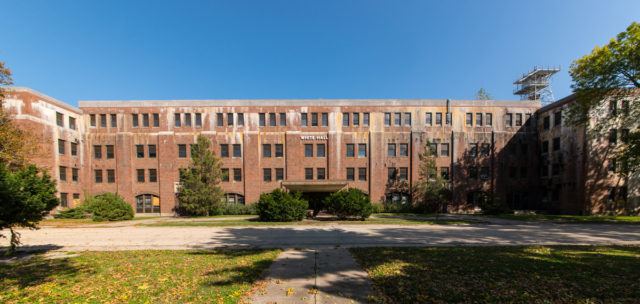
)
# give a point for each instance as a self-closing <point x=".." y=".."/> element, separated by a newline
<point x="162" y="276"/>
<point x="369" y="221"/>
<point x="571" y="218"/>
<point x="532" y="274"/>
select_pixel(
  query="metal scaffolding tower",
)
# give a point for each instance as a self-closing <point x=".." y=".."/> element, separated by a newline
<point x="535" y="84"/>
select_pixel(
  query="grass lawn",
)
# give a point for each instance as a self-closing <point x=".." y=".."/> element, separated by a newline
<point x="151" y="276"/>
<point x="571" y="218"/>
<point x="532" y="274"/>
<point x="61" y="223"/>
<point x="369" y="221"/>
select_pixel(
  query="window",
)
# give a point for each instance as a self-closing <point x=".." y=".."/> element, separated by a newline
<point x="557" y="118"/>
<point x="545" y="147"/>
<point x="182" y="151"/>
<point x="523" y="172"/>
<point x="404" y="173"/>
<point x="237" y="175"/>
<point x="473" y="150"/>
<point x="151" y="151"/>
<point x="230" y="119"/>
<point x="272" y="119"/>
<point x="61" y="149"/>
<point x="241" y="119"/>
<point x="365" y="119"/>
<point x="485" y="149"/>
<point x="224" y="150"/>
<point x="156" y="120"/>
<point x="362" y="174"/>
<point x="103" y="120"/>
<point x="266" y="174"/>
<point x="72" y="123"/>
<point x="76" y="198"/>
<point x="279" y="174"/>
<point x="387" y="119"/>
<point x="314" y="119"/>
<point x="219" y="119"/>
<point x="266" y="150"/>
<point x="187" y="119"/>
<point x="625" y="107"/>
<point x="391" y="150"/>
<point x="139" y="151"/>
<point x="198" y="120"/>
<point x="362" y="150"/>
<point x="508" y="120"/>
<point x="392" y="174"/>
<point x="74" y="149"/>
<point x="473" y="172"/>
<point x="544" y="171"/>
<point x="624" y="136"/>
<point x="444" y="149"/>
<point x="63" y="173"/>
<point x="444" y="172"/>
<point x="613" y="107"/>
<point x="320" y="174"/>
<point x="304" y="121"/>
<point x="612" y="165"/>
<point x="97" y="152"/>
<point x="356" y="119"/>
<point x="556" y="144"/>
<point x="308" y="173"/>
<point x="237" y="150"/>
<point x="469" y="119"/>
<point x="433" y="148"/>
<point x="404" y="149"/>
<point x="283" y="119"/>
<point x="110" y="151"/>
<point x="111" y="176"/>
<point x="345" y="119"/>
<point x="613" y="137"/>
<point x="279" y="150"/>
<point x="484" y="173"/>
<point x="177" y="121"/>
<point x="74" y="174"/>
<point x="428" y="119"/>
<point x="438" y="119"/>
<point x="518" y="119"/>
<point x="545" y="123"/>
<point x="350" y="150"/>
<point x="64" y="200"/>
<point x="59" y="119"/>
<point x="308" y="150"/>
<point x="320" y="152"/>
<point x="350" y="173"/>
<point x="153" y="175"/>
<point x="325" y="119"/>
<point x="555" y="169"/>
<point x="407" y="119"/>
<point x="234" y="199"/>
<point x="145" y="120"/>
<point x="97" y="176"/>
<point x="140" y="175"/>
<point x="397" y="119"/>
<point x="513" y="172"/>
<point x="92" y="120"/>
<point x="225" y="174"/>
<point x="147" y="203"/>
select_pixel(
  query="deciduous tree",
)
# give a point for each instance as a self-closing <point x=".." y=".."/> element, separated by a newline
<point x="432" y="192"/>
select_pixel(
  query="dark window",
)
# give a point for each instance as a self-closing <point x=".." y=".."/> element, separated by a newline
<point x="266" y="150"/>
<point x="225" y="174"/>
<point x="625" y="107"/>
<point x="407" y="119"/>
<point x="622" y="193"/>
<point x="219" y="119"/>
<point x="613" y="107"/>
<point x="263" y="119"/>
<point x="308" y="150"/>
<point x="362" y="150"/>
<point x="314" y="119"/>
<point x="624" y="136"/>
<point x="241" y="119"/>
<point x="391" y="149"/>
<point x="61" y="149"/>
<point x="507" y="120"/>
<point x="397" y="119"/>
<point x="428" y="119"/>
<point x="444" y="149"/>
<point x="404" y="149"/>
<point x="612" y="165"/>
<point x="60" y="119"/>
<point x="489" y="117"/>
<point x="555" y="169"/>
<point x="224" y="150"/>
<point x="304" y="121"/>
<point x="145" y="120"/>
<point x="473" y="172"/>
<point x="613" y="137"/>
<point x="97" y="152"/>
<point x="527" y="119"/>
<point x="308" y="173"/>
<point x="64" y="199"/>
<point x="76" y="196"/>
<point x="182" y="151"/>
<point x="153" y="175"/>
<point x="523" y="172"/>
<point x="362" y="174"/>
<point x="478" y="119"/>
<point x="103" y="120"/>
<point x="433" y="148"/>
<point x="320" y="152"/>
<point x="237" y="150"/>
<point x="556" y="144"/>
<point x="438" y="119"/>
<point x="469" y="119"/>
<point x="612" y="194"/>
<point x="473" y="150"/>
<point x="139" y="151"/>
<point x="283" y="119"/>
<point x="320" y="174"/>
<point x="365" y="119"/>
<point x="518" y="119"/>
<point x="272" y="119"/>
<point x="484" y="172"/>
<point x="350" y="173"/>
<point x="156" y="120"/>
<point x="356" y="119"/>
<point x="279" y="150"/>
<point x="187" y="119"/>
<point x="198" y="120"/>
<point x="63" y="173"/>
<point x="557" y="118"/>
<point x="147" y="203"/>
<point x="140" y="175"/>
<point x="92" y="120"/>
<point x="237" y="174"/>
<point x="229" y="119"/>
<point x="266" y="174"/>
<point x="404" y="173"/>
<point x="544" y="171"/>
<point x="110" y="151"/>
<point x="97" y="176"/>
<point x="444" y="172"/>
<point x="325" y="119"/>
<point x="177" y="121"/>
<point x="279" y="174"/>
<point x="74" y="149"/>
<point x="74" y="174"/>
<point x="111" y="176"/>
<point x="350" y="150"/>
<point x="545" y="123"/>
<point x="392" y="174"/>
<point x="72" y="122"/>
<point x="485" y="149"/>
<point x="545" y="147"/>
<point x="387" y="119"/>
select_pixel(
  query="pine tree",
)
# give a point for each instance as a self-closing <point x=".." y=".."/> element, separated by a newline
<point x="432" y="192"/>
<point x="199" y="193"/>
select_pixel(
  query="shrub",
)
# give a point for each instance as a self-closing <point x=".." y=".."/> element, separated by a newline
<point x="346" y="203"/>
<point x="108" y="207"/>
<point x="80" y="212"/>
<point x="493" y="205"/>
<point x="377" y="207"/>
<point x="281" y="206"/>
<point x="235" y="209"/>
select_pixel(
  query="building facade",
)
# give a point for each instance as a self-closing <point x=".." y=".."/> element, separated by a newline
<point x="136" y="148"/>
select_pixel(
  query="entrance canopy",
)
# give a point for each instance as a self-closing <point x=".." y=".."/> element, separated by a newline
<point x="315" y="185"/>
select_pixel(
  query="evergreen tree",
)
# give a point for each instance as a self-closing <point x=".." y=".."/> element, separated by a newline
<point x="199" y="193"/>
<point x="432" y="192"/>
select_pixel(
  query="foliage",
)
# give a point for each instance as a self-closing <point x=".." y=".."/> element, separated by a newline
<point x="281" y="206"/>
<point x="557" y="218"/>
<point x="79" y="212"/>
<point x="611" y="72"/>
<point x="491" y="204"/>
<point x="483" y="95"/>
<point x="199" y="192"/>
<point x="377" y="207"/>
<point x="347" y="203"/>
<point x="108" y="207"/>
<point x="26" y="195"/>
<point x="531" y="274"/>
<point x="139" y="276"/>
<point x="432" y="192"/>
<point x="234" y="209"/>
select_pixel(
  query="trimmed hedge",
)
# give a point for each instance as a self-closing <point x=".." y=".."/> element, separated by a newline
<point x="281" y="206"/>
<point x="349" y="203"/>
<point x="108" y="207"/>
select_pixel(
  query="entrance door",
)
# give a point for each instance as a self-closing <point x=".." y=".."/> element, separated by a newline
<point x="315" y="200"/>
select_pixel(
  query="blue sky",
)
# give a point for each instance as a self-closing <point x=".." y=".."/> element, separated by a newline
<point x="120" y="50"/>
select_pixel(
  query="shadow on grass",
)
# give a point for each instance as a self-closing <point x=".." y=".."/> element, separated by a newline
<point x="245" y="271"/>
<point x="35" y="270"/>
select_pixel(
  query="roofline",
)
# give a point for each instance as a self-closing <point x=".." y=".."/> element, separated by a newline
<point x="45" y="97"/>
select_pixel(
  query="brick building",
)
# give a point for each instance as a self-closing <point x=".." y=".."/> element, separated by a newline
<point x="136" y="148"/>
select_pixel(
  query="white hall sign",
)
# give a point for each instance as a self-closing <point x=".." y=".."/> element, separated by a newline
<point x="312" y="137"/>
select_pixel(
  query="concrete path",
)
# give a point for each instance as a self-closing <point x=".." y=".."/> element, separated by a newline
<point x="315" y="276"/>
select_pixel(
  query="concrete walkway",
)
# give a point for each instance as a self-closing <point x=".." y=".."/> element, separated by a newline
<point x="315" y="276"/>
